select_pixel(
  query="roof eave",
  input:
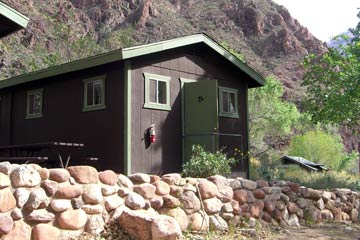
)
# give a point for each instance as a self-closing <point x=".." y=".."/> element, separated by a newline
<point x="13" y="15"/>
<point x="128" y="53"/>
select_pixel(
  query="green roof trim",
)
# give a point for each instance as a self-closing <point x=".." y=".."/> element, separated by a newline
<point x="14" y="16"/>
<point x="131" y="52"/>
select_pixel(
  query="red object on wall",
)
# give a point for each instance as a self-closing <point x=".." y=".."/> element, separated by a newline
<point x="152" y="134"/>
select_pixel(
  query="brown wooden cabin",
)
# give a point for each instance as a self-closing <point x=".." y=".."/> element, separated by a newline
<point x="191" y="89"/>
<point x="11" y="20"/>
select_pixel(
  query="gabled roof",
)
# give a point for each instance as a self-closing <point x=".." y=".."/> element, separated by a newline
<point x="11" y="20"/>
<point x="302" y="162"/>
<point x="131" y="52"/>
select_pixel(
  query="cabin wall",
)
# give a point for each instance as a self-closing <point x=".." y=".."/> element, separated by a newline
<point x="193" y="63"/>
<point x="63" y="119"/>
<point x="5" y="117"/>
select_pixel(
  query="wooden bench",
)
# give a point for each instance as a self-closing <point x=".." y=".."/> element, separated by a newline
<point x="89" y="158"/>
<point x="33" y="151"/>
<point x="24" y="159"/>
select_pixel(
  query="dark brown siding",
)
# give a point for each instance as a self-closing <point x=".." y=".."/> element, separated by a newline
<point x="192" y="63"/>
<point x="63" y="120"/>
<point x="5" y="117"/>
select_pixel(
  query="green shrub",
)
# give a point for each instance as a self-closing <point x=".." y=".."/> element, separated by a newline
<point x="203" y="164"/>
<point x="275" y="171"/>
<point x="327" y="180"/>
<point x="321" y="147"/>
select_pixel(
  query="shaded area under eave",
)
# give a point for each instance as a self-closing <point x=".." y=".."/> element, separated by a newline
<point x="302" y="162"/>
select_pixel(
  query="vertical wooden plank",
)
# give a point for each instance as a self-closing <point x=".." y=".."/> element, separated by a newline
<point x="190" y="65"/>
<point x="127" y="117"/>
<point x="5" y="118"/>
<point x="174" y="64"/>
<point x="136" y="119"/>
<point x="145" y="151"/>
<point x="182" y="64"/>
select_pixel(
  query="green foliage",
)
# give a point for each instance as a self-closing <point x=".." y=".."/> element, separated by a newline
<point x="232" y="51"/>
<point x="321" y="147"/>
<point x="120" y="38"/>
<point x="327" y="180"/>
<point x="269" y="115"/>
<point x="333" y="84"/>
<point x="203" y="164"/>
<point x="275" y="171"/>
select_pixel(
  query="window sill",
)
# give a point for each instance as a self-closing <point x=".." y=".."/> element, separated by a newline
<point x="229" y="115"/>
<point x="93" y="108"/>
<point x="33" y="116"/>
<point x="155" y="106"/>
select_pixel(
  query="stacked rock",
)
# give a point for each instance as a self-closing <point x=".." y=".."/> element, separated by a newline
<point x="39" y="203"/>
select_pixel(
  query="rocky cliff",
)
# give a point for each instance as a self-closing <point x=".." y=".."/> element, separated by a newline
<point x="270" y="40"/>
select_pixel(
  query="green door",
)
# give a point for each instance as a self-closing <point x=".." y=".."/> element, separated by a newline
<point x="200" y="116"/>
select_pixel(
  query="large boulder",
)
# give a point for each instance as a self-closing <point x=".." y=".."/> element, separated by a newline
<point x="179" y="215"/>
<point x="7" y="200"/>
<point x="60" y="205"/>
<point x="59" y="175"/>
<point x="199" y="221"/>
<point x="124" y="181"/>
<point x="44" y="232"/>
<point x="50" y="187"/>
<point x="146" y="190"/>
<point x="95" y="224"/>
<point x="6" y="224"/>
<point x="190" y="202"/>
<point x="84" y="174"/>
<point x="72" y="219"/>
<point x="207" y="189"/>
<point x="108" y="177"/>
<point x="165" y="228"/>
<point x="4" y="181"/>
<point x="225" y="194"/>
<point x="134" y="201"/>
<point x="5" y="167"/>
<point x="171" y="202"/>
<point x="172" y="178"/>
<point x="138" y="178"/>
<point x="40" y="216"/>
<point x="240" y="196"/>
<point x="248" y="184"/>
<point x="21" y="231"/>
<point x="69" y="192"/>
<point x="37" y="199"/>
<point x="92" y="194"/>
<point x="22" y="196"/>
<point x="25" y="176"/>
<point x="212" y="205"/>
<point x="112" y="202"/>
<point x="217" y="223"/>
<point x="162" y="188"/>
<point x="148" y="225"/>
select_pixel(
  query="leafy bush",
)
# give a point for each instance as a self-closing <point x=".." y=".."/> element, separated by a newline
<point x="321" y="147"/>
<point x="327" y="180"/>
<point x="318" y="180"/>
<point x="203" y="164"/>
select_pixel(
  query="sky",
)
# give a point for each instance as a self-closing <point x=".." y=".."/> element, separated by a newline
<point x="324" y="18"/>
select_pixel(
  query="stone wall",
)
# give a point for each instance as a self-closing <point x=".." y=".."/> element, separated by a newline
<point x="38" y="203"/>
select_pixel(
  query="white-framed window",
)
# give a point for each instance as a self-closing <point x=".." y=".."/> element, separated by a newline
<point x="34" y="105"/>
<point x="157" y="92"/>
<point x="228" y="102"/>
<point x="94" y="93"/>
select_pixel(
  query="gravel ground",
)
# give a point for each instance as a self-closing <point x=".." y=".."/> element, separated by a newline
<point x="325" y="231"/>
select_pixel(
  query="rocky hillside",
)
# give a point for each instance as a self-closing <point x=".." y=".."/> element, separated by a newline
<point x="270" y="40"/>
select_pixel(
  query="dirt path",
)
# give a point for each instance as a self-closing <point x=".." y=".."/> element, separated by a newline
<point x="319" y="232"/>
